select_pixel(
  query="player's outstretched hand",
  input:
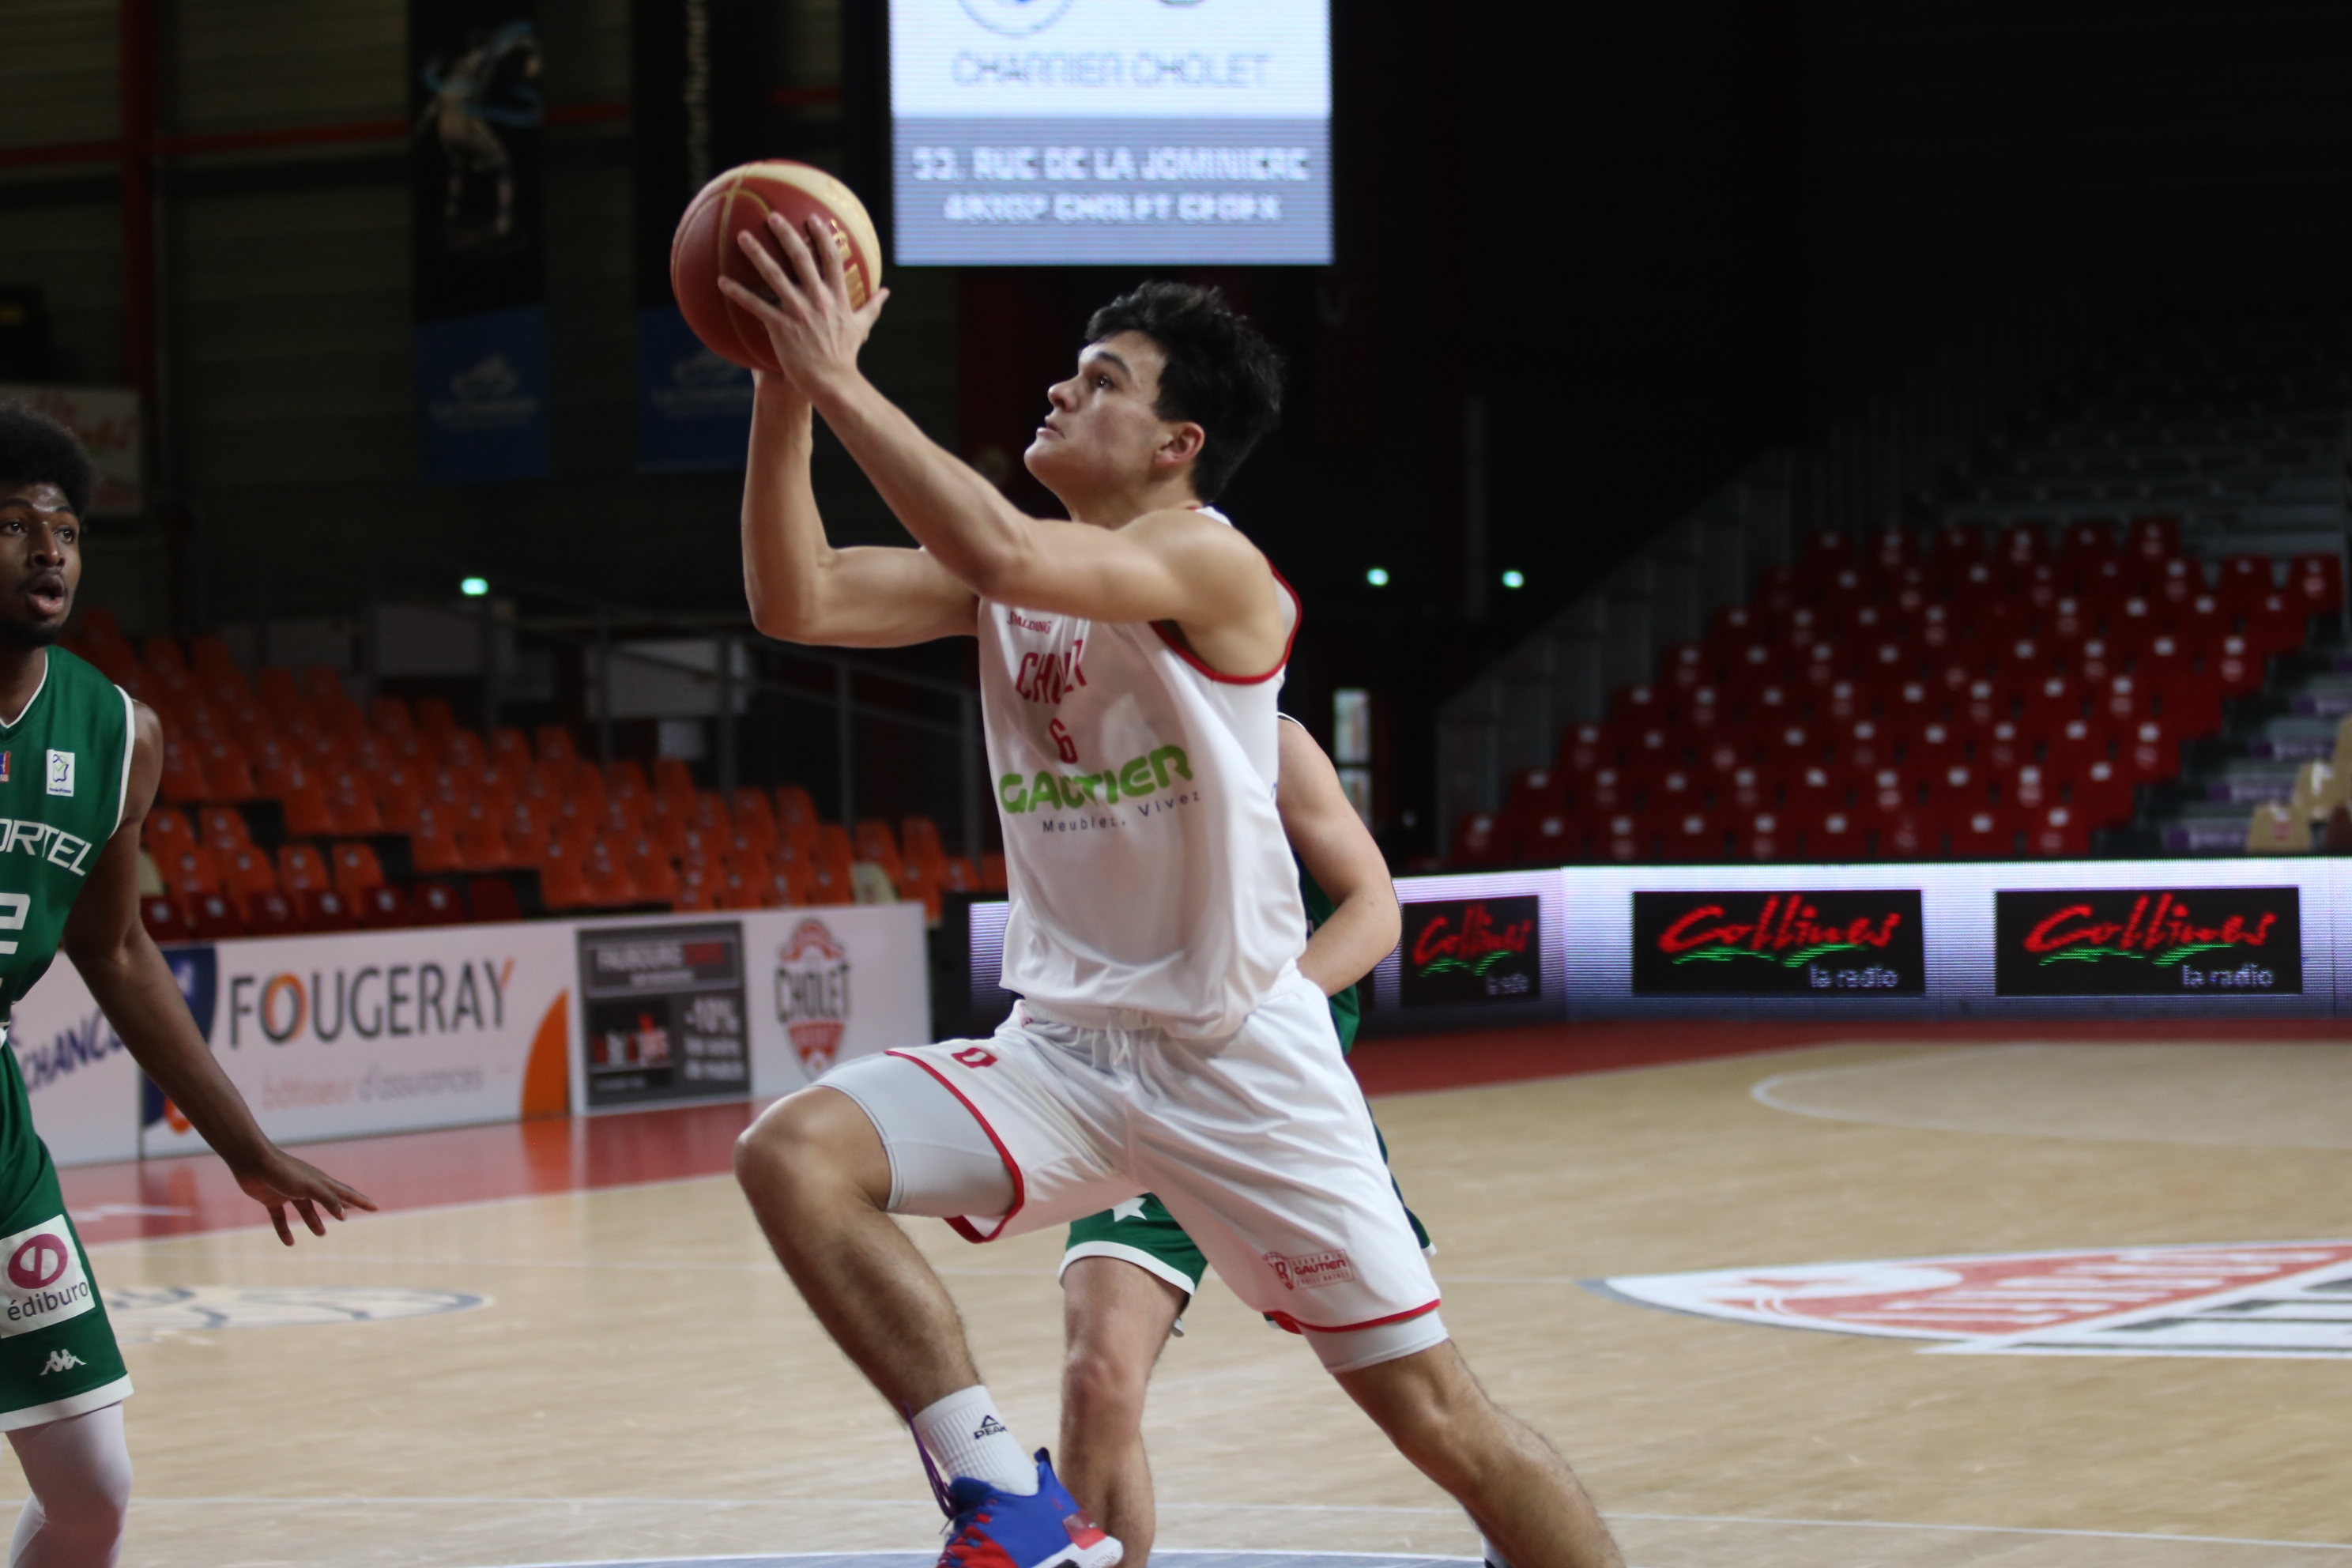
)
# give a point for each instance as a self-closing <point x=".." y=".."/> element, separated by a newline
<point x="815" y="333"/>
<point x="280" y="1179"/>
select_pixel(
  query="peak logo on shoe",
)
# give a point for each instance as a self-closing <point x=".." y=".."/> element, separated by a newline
<point x="990" y="1427"/>
<point x="42" y="1281"/>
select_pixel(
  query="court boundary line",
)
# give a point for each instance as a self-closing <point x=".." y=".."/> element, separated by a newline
<point x="1226" y="1506"/>
<point x="1764" y="1089"/>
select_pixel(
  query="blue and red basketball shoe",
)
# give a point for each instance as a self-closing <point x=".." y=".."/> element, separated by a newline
<point x="1047" y="1528"/>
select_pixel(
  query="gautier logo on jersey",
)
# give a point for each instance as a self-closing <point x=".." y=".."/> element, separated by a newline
<point x="42" y="1282"/>
<point x="1460" y="950"/>
<point x="2148" y="942"/>
<point x="813" y="994"/>
<point x="1132" y="780"/>
<point x="1863" y="943"/>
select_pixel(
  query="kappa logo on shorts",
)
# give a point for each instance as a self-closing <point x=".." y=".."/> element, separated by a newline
<point x="62" y="1361"/>
<point x="2259" y="1298"/>
<point x="976" y="1056"/>
<point x="1312" y="1270"/>
<point x="42" y="1282"/>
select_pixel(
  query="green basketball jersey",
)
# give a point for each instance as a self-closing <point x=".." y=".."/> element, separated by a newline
<point x="65" y="769"/>
<point x="64" y="765"/>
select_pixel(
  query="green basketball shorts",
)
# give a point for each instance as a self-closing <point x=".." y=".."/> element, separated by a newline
<point x="57" y="1354"/>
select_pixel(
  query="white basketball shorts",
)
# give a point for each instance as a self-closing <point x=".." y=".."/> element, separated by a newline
<point x="1261" y="1146"/>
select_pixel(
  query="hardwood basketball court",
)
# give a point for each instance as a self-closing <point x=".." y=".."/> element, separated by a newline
<point x="565" y="1341"/>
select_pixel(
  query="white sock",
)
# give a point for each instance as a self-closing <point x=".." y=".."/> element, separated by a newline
<point x="966" y="1436"/>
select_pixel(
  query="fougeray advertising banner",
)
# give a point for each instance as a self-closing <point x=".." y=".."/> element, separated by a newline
<point x="2148" y="942"/>
<point x="1779" y="944"/>
<point x="338" y="1037"/>
<point x="475" y="181"/>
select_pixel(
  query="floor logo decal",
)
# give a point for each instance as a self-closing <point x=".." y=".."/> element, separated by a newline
<point x="1243" y="1559"/>
<point x="143" y="1314"/>
<point x="2289" y="1299"/>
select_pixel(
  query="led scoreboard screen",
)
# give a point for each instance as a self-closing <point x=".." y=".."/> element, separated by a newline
<point x="1044" y="132"/>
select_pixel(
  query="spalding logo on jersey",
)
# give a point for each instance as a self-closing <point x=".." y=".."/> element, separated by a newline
<point x="42" y="1281"/>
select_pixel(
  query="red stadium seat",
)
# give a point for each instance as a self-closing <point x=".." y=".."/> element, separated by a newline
<point x="1479" y="838"/>
<point x="492" y="898"/>
<point x="1765" y="837"/>
<point x="2153" y="538"/>
<point x="2239" y="668"/>
<point x="1999" y="747"/>
<point x="436" y="903"/>
<point x="1836" y="836"/>
<point x="2057" y="830"/>
<point x="2100" y="794"/>
<point x="213" y="917"/>
<point x="1691" y="838"/>
<point x="2152" y="752"/>
<point x="1863" y="746"/>
<point x="1984" y="832"/>
<point x="272" y="915"/>
<point x="325" y="909"/>
<point x="2317" y="582"/>
<point x="165" y="921"/>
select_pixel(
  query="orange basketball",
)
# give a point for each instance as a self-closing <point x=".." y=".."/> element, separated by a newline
<point x="705" y="250"/>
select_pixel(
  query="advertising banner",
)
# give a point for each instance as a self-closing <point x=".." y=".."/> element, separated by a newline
<point x="84" y="1085"/>
<point x="342" y="1036"/>
<point x="700" y="70"/>
<point x="1062" y="133"/>
<point x="1779" y="944"/>
<point x="683" y="1007"/>
<point x="2148" y="942"/>
<point x="662" y="1015"/>
<point x="476" y="183"/>
<point x="105" y="419"/>
<point x="832" y="983"/>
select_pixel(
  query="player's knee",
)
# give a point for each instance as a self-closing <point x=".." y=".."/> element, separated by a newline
<point x="1103" y="1391"/>
<point x="87" y="1511"/>
<point x="804" y="1144"/>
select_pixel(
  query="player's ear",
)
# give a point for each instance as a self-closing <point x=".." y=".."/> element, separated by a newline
<point x="1181" y="444"/>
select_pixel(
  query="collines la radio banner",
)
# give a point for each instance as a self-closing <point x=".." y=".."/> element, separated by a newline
<point x="1460" y="950"/>
<point x="1779" y="944"/>
<point x="2148" y="942"/>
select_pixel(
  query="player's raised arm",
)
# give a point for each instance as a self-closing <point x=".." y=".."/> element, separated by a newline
<point x="803" y="590"/>
<point x="1332" y="842"/>
<point x="130" y="981"/>
<point x="1138" y="549"/>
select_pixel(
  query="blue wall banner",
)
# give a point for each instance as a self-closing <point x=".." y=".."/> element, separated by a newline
<point x="481" y="396"/>
<point x="693" y="408"/>
<point x="479" y="266"/>
<point x="702" y="103"/>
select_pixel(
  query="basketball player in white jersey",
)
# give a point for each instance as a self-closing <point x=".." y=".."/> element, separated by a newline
<point x="1166" y="1041"/>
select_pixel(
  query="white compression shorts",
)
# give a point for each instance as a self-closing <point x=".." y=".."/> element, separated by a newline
<point x="1260" y="1145"/>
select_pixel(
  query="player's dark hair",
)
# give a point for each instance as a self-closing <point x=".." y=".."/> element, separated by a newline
<point x="1222" y="375"/>
<point x="35" y="449"/>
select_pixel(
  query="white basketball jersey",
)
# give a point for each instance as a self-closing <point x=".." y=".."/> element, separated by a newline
<point x="1151" y="885"/>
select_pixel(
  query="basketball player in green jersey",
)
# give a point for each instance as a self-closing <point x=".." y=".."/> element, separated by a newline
<point x="1128" y="1272"/>
<point x="78" y="765"/>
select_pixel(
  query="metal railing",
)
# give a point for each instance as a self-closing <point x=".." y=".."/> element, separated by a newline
<point x="599" y="632"/>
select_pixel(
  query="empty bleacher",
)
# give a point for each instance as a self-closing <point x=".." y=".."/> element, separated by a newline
<point x="285" y="806"/>
<point x="1962" y="692"/>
